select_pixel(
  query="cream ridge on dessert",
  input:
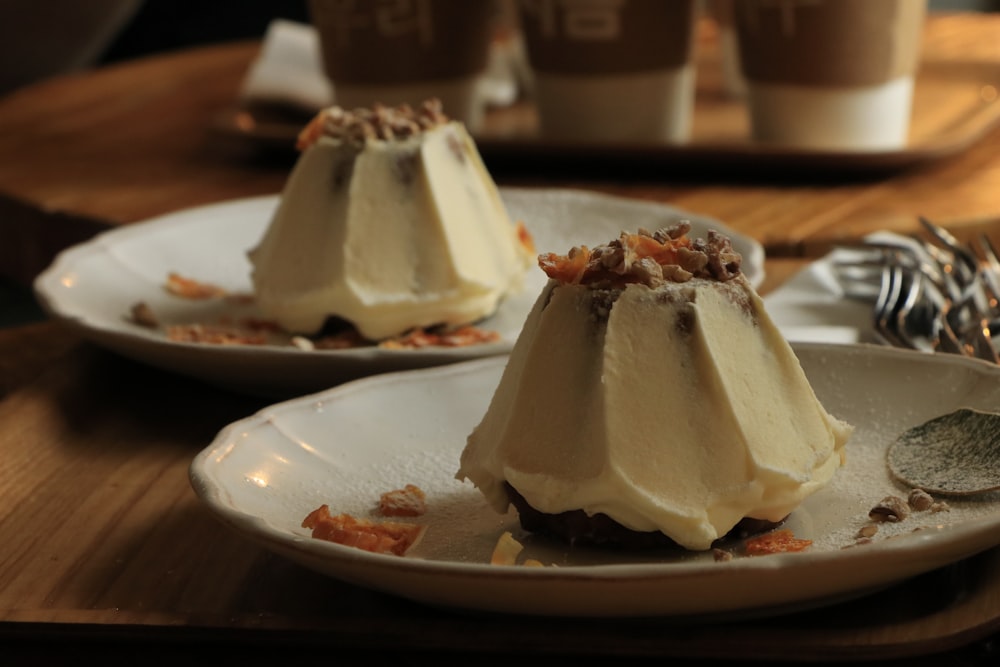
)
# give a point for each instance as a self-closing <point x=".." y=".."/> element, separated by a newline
<point x="649" y="394"/>
<point x="390" y="221"/>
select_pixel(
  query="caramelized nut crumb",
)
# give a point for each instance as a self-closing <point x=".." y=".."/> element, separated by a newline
<point x="378" y="123"/>
<point x="144" y="316"/>
<point x="868" y="530"/>
<point x="408" y="501"/>
<point x="919" y="500"/>
<point x="506" y="551"/>
<point x="891" y="509"/>
<point x="188" y="288"/>
<point x="645" y="258"/>
<point x="385" y="537"/>
<point x="303" y="343"/>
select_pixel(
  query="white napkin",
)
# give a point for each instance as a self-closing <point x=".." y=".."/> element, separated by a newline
<point x="289" y="70"/>
<point x="813" y="306"/>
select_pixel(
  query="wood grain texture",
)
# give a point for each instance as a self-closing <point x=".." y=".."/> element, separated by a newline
<point x="136" y="140"/>
<point x="104" y="540"/>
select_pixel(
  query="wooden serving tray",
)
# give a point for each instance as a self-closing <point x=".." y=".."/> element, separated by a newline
<point x="955" y="104"/>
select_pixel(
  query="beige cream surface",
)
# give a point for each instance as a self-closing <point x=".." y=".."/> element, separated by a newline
<point x="682" y="409"/>
<point x="402" y="234"/>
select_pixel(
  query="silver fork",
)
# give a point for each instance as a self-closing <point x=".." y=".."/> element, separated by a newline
<point x="965" y="264"/>
<point x="913" y="313"/>
<point x="942" y="296"/>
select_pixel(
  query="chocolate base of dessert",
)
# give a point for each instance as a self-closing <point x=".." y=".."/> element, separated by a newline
<point x="579" y="528"/>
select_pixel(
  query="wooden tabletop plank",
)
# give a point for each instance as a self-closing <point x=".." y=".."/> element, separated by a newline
<point x="103" y="535"/>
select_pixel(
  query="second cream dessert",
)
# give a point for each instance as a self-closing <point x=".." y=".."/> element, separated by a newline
<point x="391" y="222"/>
<point x="649" y="395"/>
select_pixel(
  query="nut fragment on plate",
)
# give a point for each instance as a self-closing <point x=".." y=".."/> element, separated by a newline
<point x="867" y="531"/>
<point x="919" y="500"/>
<point x="228" y="330"/>
<point x="144" y="316"/>
<point x="189" y="288"/>
<point x="213" y="334"/>
<point x="408" y="501"/>
<point x="777" y="541"/>
<point x="890" y="508"/>
<point x="506" y="550"/>
<point x="384" y="537"/>
<point x="460" y="337"/>
<point x="721" y="555"/>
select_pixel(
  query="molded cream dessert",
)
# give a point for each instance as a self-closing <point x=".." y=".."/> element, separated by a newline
<point x="650" y="399"/>
<point x="390" y="221"/>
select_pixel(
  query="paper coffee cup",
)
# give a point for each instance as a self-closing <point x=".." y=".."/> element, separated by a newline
<point x="830" y="74"/>
<point x="611" y="70"/>
<point x="396" y="53"/>
<point x="721" y="12"/>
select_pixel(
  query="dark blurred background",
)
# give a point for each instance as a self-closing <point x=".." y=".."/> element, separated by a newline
<point x="160" y="25"/>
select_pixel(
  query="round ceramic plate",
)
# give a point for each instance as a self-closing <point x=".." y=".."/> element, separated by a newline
<point x="346" y="446"/>
<point x="94" y="285"/>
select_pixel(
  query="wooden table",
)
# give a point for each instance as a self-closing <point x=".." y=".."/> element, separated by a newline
<point x="106" y="552"/>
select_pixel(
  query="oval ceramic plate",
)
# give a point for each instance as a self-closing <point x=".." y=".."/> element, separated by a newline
<point x="93" y="286"/>
<point x="346" y="446"/>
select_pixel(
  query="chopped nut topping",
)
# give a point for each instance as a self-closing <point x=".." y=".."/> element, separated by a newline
<point x="378" y="123"/>
<point x="891" y="509"/>
<point x="667" y="254"/>
<point x="940" y="506"/>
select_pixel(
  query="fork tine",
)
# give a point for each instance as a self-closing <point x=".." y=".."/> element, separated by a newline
<point x="967" y="258"/>
<point x="887" y="304"/>
<point x="906" y="306"/>
<point x="940" y="233"/>
<point x="990" y="253"/>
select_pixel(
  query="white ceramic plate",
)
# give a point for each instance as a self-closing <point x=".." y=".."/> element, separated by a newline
<point x="94" y="285"/>
<point x="346" y="446"/>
